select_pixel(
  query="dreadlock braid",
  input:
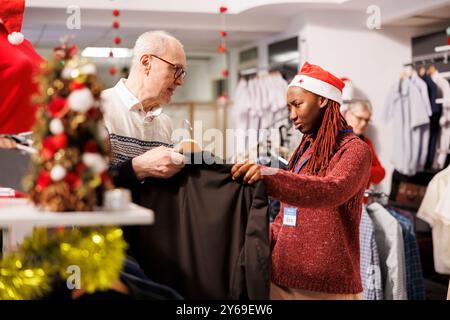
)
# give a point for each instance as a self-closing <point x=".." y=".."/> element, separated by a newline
<point x="326" y="142"/>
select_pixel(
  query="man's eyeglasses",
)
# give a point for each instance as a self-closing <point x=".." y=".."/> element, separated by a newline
<point x="179" y="71"/>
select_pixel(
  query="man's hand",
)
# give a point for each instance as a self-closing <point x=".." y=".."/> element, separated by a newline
<point x="251" y="170"/>
<point x="160" y="162"/>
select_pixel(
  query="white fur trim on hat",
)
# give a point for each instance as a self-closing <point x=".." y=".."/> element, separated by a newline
<point x="318" y="87"/>
<point x="15" y="38"/>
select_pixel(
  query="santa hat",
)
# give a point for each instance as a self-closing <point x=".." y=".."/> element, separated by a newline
<point x="319" y="81"/>
<point x="11" y="16"/>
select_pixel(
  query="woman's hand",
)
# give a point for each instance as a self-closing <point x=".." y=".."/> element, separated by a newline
<point x="6" y="143"/>
<point x="251" y="171"/>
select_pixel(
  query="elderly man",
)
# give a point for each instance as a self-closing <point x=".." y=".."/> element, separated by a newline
<point x="140" y="134"/>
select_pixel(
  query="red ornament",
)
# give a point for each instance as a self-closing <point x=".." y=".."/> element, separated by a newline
<point x="105" y="177"/>
<point x="59" y="141"/>
<point x="117" y="40"/>
<point x="91" y="146"/>
<point x="80" y="168"/>
<point x="221" y="48"/>
<point x="112" y="71"/>
<point x="92" y="113"/>
<point x="73" y="180"/>
<point x="116" y="13"/>
<point x="225" y="73"/>
<point x="223" y="9"/>
<point x="57" y="107"/>
<point x="43" y="180"/>
<point x="223" y="34"/>
<point x="116" y="25"/>
<point x="111" y="54"/>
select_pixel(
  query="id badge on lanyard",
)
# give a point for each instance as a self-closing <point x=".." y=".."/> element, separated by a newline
<point x="290" y="216"/>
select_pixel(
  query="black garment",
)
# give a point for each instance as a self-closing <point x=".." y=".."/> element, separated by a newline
<point x="210" y="239"/>
<point x="140" y="287"/>
<point x="435" y="128"/>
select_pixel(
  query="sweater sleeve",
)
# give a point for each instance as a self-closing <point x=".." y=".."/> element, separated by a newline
<point x="123" y="175"/>
<point x="349" y="175"/>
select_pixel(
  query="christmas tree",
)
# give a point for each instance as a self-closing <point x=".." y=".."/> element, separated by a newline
<point x="70" y="167"/>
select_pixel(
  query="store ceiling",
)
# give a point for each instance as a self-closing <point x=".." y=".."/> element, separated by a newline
<point x="196" y="23"/>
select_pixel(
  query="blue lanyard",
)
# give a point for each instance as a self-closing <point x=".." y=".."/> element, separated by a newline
<point x="304" y="162"/>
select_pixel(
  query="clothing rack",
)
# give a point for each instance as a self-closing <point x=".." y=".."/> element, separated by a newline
<point x="272" y="67"/>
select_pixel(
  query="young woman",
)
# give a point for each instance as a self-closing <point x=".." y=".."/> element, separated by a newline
<point x="358" y="116"/>
<point x="315" y="237"/>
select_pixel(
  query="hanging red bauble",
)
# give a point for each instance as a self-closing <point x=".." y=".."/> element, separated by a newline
<point x="116" y="13"/>
<point x="221" y="48"/>
<point x="225" y="73"/>
<point x="223" y="9"/>
<point x="112" y="71"/>
<point x="117" y="40"/>
<point x="111" y="54"/>
<point x="223" y="34"/>
<point x="116" y="25"/>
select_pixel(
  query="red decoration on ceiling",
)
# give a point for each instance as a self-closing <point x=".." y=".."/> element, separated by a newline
<point x="225" y="73"/>
<point x="116" y="25"/>
<point x="223" y="9"/>
<point x="116" y="13"/>
<point x="223" y="34"/>
<point x="117" y="40"/>
<point x="112" y="71"/>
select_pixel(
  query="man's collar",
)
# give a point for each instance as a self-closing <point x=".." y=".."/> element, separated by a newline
<point x="131" y="101"/>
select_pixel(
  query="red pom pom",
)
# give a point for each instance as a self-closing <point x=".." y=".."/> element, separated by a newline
<point x="221" y="48"/>
<point x="223" y="9"/>
<point x="225" y="73"/>
<point x="91" y="146"/>
<point x="116" y="25"/>
<point x="117" y="40"/>
<point x="116" y="13"/>
<point x="57" y="107"/>
<point x="43" y="180"/>
<point x="112" y="71"/>
<point x="75" y="85"/>
<point x="223" y="34"/>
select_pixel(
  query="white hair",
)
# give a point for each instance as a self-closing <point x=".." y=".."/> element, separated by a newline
<point x="154" y="42"/>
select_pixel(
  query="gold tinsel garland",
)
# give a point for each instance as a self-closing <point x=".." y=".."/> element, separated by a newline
<point x="97" y="252"/>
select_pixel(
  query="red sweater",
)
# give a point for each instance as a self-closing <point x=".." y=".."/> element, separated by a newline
<point x="321" y="253"/>
<point x="377" y="171"/>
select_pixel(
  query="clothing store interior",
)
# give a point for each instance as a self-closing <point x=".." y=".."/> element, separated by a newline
<point x="225" y="150"/>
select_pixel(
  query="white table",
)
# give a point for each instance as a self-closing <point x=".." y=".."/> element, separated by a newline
<point x="18" y="217"/>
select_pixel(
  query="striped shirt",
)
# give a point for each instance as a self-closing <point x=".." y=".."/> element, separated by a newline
<point x="132" y="131"/>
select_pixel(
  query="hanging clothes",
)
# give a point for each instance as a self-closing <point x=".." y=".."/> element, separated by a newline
<point x="415" y="285"/>
<point x="372" y="281"/>
<point x="258" y="100"/>
<point x="443" y="147"/>
<point x="435" y="128"/>
<point x="389" y="238"/>
<point x="406" y="111"/>
<point x="435" y="210"/>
